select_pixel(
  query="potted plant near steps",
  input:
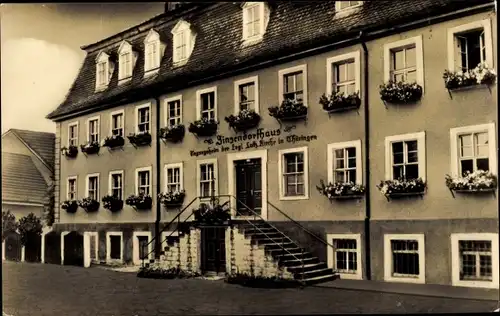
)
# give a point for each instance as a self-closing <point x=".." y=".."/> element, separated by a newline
<point x="112" y="203"/>
<point x="341" y="190"/>
<point x="482" y="74"/>
<point x="70" y="152"/>
<point x="204" y="127"/>
<point x="400" y="92"/>
<point x="142" y="138"/>
<point x="89" y="204"/>
<point x="289" y="110"/>
<point x="172" y="199"/>
<point x="140" y="202"/>
<point x="245" y="120"/>
<point x="402" y="187"/>
<point x="216" y="214"/>
<point x="472" y="182"/>
<point x="114" y="141"/>
<point x="173" y="133"/>
<point x="70" y="206"/>
<point x="338" y="101"/>
<point x="90" y="148"/>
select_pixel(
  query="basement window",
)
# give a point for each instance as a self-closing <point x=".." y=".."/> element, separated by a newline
<point x="404" y="258"/>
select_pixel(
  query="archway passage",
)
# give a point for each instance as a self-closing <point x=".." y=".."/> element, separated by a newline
<point x="73" y="249"/>
<point x="13" y="247"/>
<point x="33" y="248"/>
<point x="53" y="248"/>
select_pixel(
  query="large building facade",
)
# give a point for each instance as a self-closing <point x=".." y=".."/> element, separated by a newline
<point x="386" y="145"/>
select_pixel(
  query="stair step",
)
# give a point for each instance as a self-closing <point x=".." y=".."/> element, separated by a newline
<point x="292" y="249"/>
<point x="313" y="273"/>
<point x="297" y="263"/>
<point x="278" y="242"/>
<point x="270" y="245"/>
<point x="307" y="267"/>
<point x="260" y="236"/>
<point x="260" y="230"/>
<point x="321" y="279"/>
<point x="293" y="255"/>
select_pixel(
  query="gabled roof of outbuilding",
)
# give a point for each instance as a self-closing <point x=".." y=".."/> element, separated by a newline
<point x="41" y="143"/>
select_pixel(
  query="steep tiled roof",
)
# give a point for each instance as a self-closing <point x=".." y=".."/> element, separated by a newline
<point x="293" y="27"/>
<point x="21" y="180"/>
<point x="41" y="142"/>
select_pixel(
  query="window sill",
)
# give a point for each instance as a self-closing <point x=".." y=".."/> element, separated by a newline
<point x="252" y="41"/>
<point x="475" y="284"/>
<point x="101" y="88"/>
<point x="151" y="72"/>
<point x="124" y="80"/>
<point x="179" y="63"/>
<point x="294" y="198"/>
<point x="350" y="276"/>
<point x="416" y="279"/>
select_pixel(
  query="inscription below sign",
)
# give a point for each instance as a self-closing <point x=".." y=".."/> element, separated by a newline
<point x="261" y="138"/>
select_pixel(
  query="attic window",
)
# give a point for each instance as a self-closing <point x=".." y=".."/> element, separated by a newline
<point x="127" y="59"/>
<point x="347" y="5"/>
<point x="152" y="51"/>
<point x="255" y="20"/>
<point x="102" y="78"/>
<point x="104" y="69"/>
<point x="183" y="42"/>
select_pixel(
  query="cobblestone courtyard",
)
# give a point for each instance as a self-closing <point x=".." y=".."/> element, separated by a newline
<point x="36" y="289"/>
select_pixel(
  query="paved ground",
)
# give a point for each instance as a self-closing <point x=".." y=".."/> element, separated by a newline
<point x="36" y="289"/>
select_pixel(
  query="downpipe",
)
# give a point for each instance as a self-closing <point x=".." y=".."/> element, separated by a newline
<point x="158" y="177"/>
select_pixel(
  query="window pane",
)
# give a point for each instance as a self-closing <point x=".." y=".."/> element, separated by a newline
<point x="411" y="172"/>
<point x="341" y="72"/>
<point x="341" y="262"/>
<point x="397" y="172"/>
<point x="467" y="166"/>
<point x="398" y="59"/>
<point x="289" y="84"/>
<point x="299" y="86"/>
<point x="483" y="164"/>
<point x="352" y="175"/>
<point x="411" y="76"/>
<point x="411" y="59"/>
<point x="351" y="163"/>
<point x="340" y="176"/>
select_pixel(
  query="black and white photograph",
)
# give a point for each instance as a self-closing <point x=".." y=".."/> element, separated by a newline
<point x="249" y="158"/>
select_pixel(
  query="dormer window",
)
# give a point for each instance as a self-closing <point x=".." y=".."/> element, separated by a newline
<point x="183" y="40"/>
<point x="347" y="5"/>
<point x="153" y="52"/>
<point x="127" y="58"/>
<point x="255" y="20"/>
<point x="102" y="78"/>
<point x="104" y="70"/>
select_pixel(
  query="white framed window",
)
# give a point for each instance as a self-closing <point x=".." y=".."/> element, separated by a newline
<point x="143" y="180"/>
<point x="143" y="118"/>
<point x="206" y="103"/>
<point x="73" y="134"/>
<point x="125" y="65"/>
<point x="183" y="42"/>
<point x="347" y="5"/>
<point x="174" y="177"/>
<point x="345" y="257"/>
<point x="104" y="70"/>
<point x="473" y="148"/>
<point x="92" y="186"/>
<point x="72" y="188"/>
<point x="474" y="258"/>
<point x="246" y="94"/>
<point x="293" y="84"/>
<point x="117" y="123"/>
<point x="343" y="73"/>
<point x="93" y="129"/>
<point x="140" y="250"/>
<point x="470" y="44"/>
<point x="405" y="156"/>
<point x="153" y="49"/>
<point x="345" y="162"/>
<point x="206" y="178"/>
<point x="102" y="73"/>
<point x="294" y="173"/>
<point x="404" y="61"/>
<point x="114" y="246"/>
<point x="116" y="183"/>
<point x="173" y="110"/>
<point x="404" y="258"/>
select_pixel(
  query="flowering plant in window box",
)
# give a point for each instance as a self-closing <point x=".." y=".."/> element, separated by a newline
<point x="482" y="74"/>
<point x="339" y="101"/>
<point x="400" y="92"/>
<point x="401" y="187"/>
<point x="89" y="204"/>
<point x="90" y="148"/>
<point x="113" y="141"/>
<point x="140" y="138"/>
<point x="212" y="214"/>
<point x="245" y="120"/>
<point x="289" y="110"/>
<point x="70" y="152"/>
<point x="174" y="133"/>
<point x="112" y="203"/>
<point x="341" y="190"/>
<point x="70" y="206"/>
<point x="174" y="198"/>
<point x="140" y="202"/>
<point x="204" y="127"/>
<point x="476" y="181"/>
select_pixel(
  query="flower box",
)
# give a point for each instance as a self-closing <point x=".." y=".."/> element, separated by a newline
<point x="70" y="206"/>
<point x="70" y="152"/>
<point x="212" y="215"/>
<point x="89" y="205"/>
<point x="348" y="190"/>
<point x="338" y="101"/>
<point x="140" y="202"/>
<point x="476" y="182"/>
<point x="112" y="203"/>
<point x="245" y="120"/>
<point x="140" y="139"/>
<point x="204" y="127"/>
<point x="113" y="141"/>
<point x="90" y="148"/>
<point x="174" y="133"/>
<point x="400" y="92"/>
<point x="481" y="75"/>
<point x="289" y="110"/>
<point x="400" y="188"/>
<point x="171" y="199"/>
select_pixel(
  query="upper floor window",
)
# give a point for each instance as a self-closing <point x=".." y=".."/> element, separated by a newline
<point x="405" y="156"/>
<point x="207" y="184"/>
<point x="344" y="162"/>
<point x="403" y="61"/>
<point x="293" y="84"/>
<point x="293" y="164"/>
<point x="116" y="184"/>
<point x="343" y="73"/>
<point x="174" y="110"/>
<point x="104" y="70"/>
<point x="93" y="186"/>
<point x="153" y="51"/>
<point x="207" y="103"/>
<point x="345" y="5"/>
<point x="173" y="177"/>
<point x="93" y="129"/>
<point x="143" y="119"/>
<point x="73" y="134"/>
<point x="117" y="123"/>
<point x="127" y="58"/>
<point x="469" y="45"/>
<point x="183" y="42"/>
<point x="72" y="189"/>
<point x="246" y="94"/>
<point x="102" y="78"/>
<point x="143" y="181"/>
<point x="255" y="20"/>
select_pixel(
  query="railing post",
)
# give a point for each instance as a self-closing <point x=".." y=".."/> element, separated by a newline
<point x="179" y="241"/>
<point x="302" y="253"/>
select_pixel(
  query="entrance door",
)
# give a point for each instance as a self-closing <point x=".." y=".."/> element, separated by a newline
<point x="248" y="186"/>
<point x="143" y="248"/>
<point x="213" y="253"/>
<point x="73" y="249"/>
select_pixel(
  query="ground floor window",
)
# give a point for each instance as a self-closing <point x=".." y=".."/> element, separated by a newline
<point x="344" y="255"/>
<point x="405" y="258"/>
